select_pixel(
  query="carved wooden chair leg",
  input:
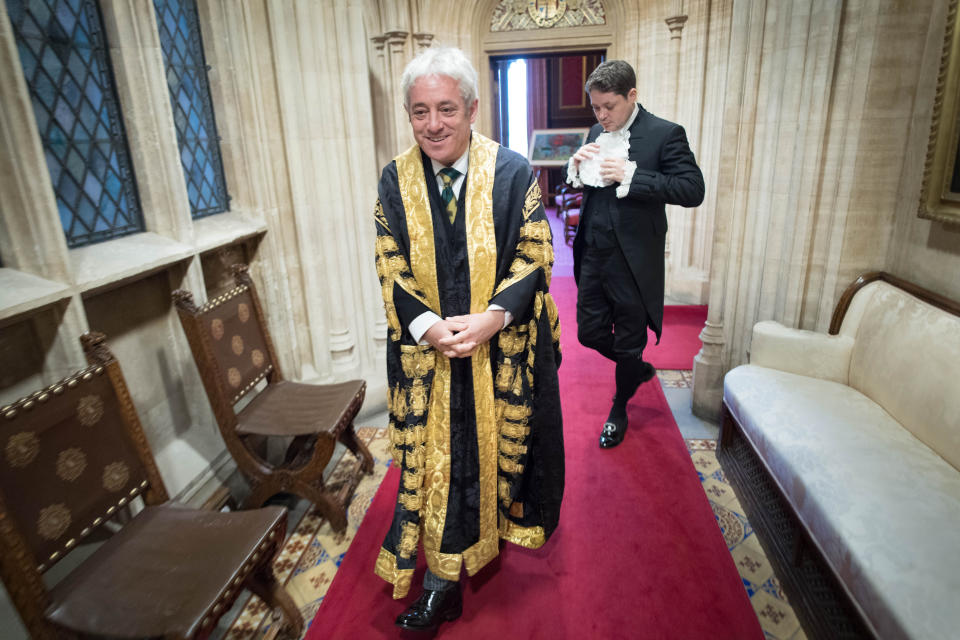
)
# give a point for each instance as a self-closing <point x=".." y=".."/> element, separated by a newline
<point x="263" y="583"/>
<point x="297" y="446"/>
<point x="261" y="492"/>
<point x="349" y="438"/>
<point x="327" y="504"/>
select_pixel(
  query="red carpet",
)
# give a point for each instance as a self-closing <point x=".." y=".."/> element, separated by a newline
<point x="637" y="555"/>
<point x="680" y="340"/>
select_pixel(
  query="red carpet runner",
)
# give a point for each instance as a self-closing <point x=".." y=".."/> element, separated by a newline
<point x="637" y="555"/>
<point x="680" y="341"/>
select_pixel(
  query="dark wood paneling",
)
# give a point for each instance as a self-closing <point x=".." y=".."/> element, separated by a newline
<point x="568" y="105"/>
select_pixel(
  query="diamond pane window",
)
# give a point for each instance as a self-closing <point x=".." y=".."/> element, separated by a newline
<point x="179" y="26"/>
<point x="63" y="52"/>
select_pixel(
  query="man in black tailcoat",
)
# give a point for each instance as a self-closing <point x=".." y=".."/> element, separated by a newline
<point x="632" y="165"/>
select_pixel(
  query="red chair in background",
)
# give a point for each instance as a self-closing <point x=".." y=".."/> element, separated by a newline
<point x="568" y="209"/>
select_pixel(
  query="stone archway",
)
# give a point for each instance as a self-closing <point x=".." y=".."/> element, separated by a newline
<point x="554" y="39"/>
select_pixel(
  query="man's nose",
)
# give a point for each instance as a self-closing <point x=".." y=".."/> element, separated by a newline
<point x="433" y="121"/>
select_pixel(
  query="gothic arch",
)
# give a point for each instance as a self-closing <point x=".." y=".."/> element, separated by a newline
<point x="468" y="26"/>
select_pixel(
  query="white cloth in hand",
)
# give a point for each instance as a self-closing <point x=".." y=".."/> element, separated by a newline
<point x="612" y="145"/>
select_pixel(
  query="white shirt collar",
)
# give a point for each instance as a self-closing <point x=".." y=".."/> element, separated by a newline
<point x="624" y="130"/>
<point x="461" y="164"/>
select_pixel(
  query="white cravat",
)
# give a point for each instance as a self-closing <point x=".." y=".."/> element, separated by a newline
<point x="613" y="144"/>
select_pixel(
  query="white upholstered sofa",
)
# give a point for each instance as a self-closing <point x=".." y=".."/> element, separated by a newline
<point x="844" y="450"/>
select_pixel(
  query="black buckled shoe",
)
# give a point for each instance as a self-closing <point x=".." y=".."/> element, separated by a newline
<point x="432" y="608"/>
<point x="613" y="432"/>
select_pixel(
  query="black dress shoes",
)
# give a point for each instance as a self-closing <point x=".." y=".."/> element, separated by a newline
<point x="631" y="373"/>
<point x="613" y="432"/>
<point x="432" y="608"/>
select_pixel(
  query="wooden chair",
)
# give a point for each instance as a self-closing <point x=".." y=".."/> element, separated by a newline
<point x="234" y="352"/>
<point x="74" y="455"/>
<point x="568" y="208"/>
<point x="566" y="197"/>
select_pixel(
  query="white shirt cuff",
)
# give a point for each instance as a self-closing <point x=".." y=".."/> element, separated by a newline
<point x="421" y="324"/>
<point x="507" y="316"/>
<point x="630" y="167"/>
<point x="573" y="175"/>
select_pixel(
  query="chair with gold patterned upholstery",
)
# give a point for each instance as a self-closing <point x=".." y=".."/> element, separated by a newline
<point x="234" y="353"/>
<point x="75" y="457"/>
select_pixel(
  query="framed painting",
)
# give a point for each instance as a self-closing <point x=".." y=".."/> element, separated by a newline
<point x="553" y="147"/>
<point x="940" y="191"/>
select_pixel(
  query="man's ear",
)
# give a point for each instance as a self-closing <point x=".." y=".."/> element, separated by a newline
<point x="473" y="111"/>
<point x="632" y="95"/>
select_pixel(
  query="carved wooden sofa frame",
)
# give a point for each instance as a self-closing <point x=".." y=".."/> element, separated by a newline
<point x="824" y="606"/>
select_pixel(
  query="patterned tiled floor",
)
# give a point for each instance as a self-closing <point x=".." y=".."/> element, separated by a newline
<point x="774" y="612"/>
<point x="675" y="378"/>
<point x="313" y="553"/>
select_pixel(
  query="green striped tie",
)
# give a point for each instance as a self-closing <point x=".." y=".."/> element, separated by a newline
<point x="447" y="176"/>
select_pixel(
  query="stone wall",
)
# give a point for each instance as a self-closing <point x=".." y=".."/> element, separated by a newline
<point x="823" y="122"/>
<point x="924" y="251"/>
<point x="291" y="95"/>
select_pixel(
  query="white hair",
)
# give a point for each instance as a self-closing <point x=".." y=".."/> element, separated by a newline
<point x="441" y="61"/>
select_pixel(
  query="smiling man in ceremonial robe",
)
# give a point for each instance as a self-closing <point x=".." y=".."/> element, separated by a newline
<point x="464" y="254"/>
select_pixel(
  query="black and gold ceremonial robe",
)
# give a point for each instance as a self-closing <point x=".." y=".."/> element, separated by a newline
<point x="478" y="440"/>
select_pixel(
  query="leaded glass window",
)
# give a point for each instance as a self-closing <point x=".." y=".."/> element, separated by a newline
<point x="63" y="52"/>
<point x="180" y="39"/>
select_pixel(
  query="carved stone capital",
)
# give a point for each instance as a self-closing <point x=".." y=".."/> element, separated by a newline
<point x="675" y="24"/>
<point x="423" y="40"/>
<point x="396" y="38"/>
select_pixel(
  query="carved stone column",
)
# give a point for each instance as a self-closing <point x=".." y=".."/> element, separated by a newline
<point x="397" y="58"/>
<point x="672" y="89"/>
<point x="330" y="174"/>
<point x="799" y="211"/>
<point x="383" y="124"/>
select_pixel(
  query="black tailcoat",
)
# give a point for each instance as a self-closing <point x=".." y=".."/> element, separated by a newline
<point x="667" y="173"/>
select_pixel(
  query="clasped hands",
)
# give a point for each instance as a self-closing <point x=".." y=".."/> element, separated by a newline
<point x="611" y="169"/>
<point x="460" y="336"/>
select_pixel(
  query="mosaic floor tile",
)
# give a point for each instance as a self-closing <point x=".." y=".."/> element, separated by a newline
<point x="313" y="552"/>
<point x="675" y="379"/>
<point x="774" y="612"/>
<point x="776" y="616"/>
<point x="752" y="562"/>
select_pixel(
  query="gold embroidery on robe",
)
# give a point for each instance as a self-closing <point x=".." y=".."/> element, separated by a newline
<point x="517" y="431"/>
<point x="505" y="377"/>
<point x="510" y="465"/>
<point x="512" y="448"/>
<point x="529" y="537"/>
<point x="417" y="360"/>
<point x="482" y="255"/>
<point x="386" y="568"/>
<point x="408" y="539"/>
<point x="426" y="448"/>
